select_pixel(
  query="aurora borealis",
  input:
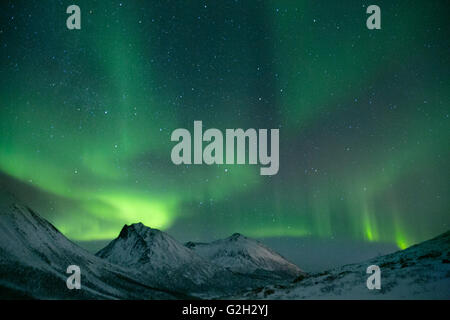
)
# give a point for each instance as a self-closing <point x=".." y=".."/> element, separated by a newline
<point x="86" y="116"/>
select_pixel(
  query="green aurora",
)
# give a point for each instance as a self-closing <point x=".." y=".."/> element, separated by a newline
<point x="86" y="116"/>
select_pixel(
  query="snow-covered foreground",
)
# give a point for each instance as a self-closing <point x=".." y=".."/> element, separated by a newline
<point x="419" y="272"/>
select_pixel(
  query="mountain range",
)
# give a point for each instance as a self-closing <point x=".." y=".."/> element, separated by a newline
<point x="146" y="263"/>
<point x="141" y="263"/>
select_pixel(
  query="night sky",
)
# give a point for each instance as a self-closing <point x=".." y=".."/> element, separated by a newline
<point x="86" y="116"/>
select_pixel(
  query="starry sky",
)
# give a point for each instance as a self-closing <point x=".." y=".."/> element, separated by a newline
<point x="86" y="116"/>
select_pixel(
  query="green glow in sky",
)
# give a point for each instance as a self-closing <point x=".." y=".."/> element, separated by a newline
<point x="86" y="118"/>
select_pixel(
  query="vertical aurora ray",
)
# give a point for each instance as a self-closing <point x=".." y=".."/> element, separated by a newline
<point x="85" y="120"/>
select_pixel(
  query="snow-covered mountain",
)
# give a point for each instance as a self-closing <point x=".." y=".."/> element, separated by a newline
<point x="142" y="263"/>
<point x="145" y="263"/>
<point x="156" y="254"/>
<point x="246" y="256"/>
<point x="34" y="257"/>
<point x="419" y="272"/>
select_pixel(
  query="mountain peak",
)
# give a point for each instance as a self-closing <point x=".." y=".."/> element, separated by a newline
<point x="157" y="255"/>
<point x="246" y="256"/>
<point x="137" y="228"/>
<point x="236" y="236"/>
<point x="190" y="244"/>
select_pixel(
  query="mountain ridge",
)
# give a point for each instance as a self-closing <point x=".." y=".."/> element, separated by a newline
<point x="34" y="256"/>
<point x="244" y="255"/>
<point x="154" y="252"/>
